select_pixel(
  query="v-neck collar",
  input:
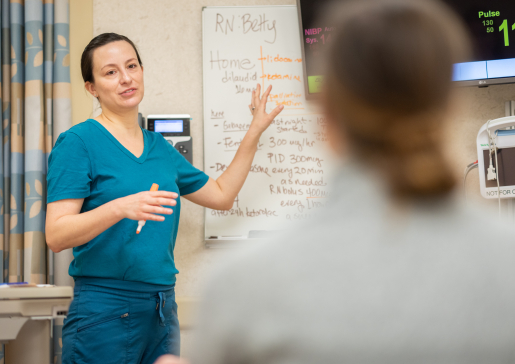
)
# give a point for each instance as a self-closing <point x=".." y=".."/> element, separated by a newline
<point x="115" y="141"/>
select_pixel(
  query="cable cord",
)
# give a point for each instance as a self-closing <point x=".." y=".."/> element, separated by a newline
<point x="492" y="145"/>
<point x="497" y="178"/>
<point x="468" y="168"/>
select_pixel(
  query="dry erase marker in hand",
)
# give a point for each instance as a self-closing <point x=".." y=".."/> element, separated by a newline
<point x="141" y="223"/>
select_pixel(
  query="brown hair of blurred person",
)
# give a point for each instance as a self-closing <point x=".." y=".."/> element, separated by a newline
<point x="388" y="88"/>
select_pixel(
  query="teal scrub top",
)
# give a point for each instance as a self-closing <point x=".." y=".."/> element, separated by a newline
<point x="88" y="162"/>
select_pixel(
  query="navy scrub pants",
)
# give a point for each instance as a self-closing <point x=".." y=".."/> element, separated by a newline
<point x="112" y="321"/>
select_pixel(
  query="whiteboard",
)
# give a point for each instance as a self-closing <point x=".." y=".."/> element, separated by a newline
<point x="288" y="180"/>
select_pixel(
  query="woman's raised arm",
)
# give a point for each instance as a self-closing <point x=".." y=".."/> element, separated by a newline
<point x="220" y="194"/>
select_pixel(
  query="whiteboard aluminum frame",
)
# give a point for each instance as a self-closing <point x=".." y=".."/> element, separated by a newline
<point x="230" y="242"/>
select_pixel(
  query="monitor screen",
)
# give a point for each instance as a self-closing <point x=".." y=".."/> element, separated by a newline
<point x="168" y="126"/>
<point x="491" y="25"/>
<point x="315" y="36"/>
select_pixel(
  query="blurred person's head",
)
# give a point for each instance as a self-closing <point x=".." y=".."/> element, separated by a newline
<point x="388" y="88"/>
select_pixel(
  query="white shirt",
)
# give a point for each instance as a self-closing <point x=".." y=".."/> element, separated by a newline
<point x="367" y="282"/>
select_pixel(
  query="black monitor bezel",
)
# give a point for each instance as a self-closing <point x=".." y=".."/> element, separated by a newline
<point x="485" y="82"/>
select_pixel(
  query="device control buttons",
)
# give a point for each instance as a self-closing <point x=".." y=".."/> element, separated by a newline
<point x="182" y="149"/>
<point x="169" y="141"/>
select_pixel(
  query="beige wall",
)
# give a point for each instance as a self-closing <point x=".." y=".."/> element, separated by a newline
<point x="81" y="32"/>
<point x="168" y="34"/>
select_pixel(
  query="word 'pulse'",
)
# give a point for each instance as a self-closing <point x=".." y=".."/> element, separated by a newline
<point x="489" y="14"/>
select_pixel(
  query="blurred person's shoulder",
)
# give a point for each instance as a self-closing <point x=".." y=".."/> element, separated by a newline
<point x="359" y="229"/>
<point x="359" y="219"/>
<point x="424" y="272"/>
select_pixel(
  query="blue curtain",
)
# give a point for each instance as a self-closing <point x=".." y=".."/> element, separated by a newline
<point x="36" y="107"/>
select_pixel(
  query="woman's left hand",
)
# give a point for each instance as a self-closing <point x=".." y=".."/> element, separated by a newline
<point x="262" y="120"/>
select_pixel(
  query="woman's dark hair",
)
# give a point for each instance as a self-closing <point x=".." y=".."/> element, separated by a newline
<point x="86" y="62"/>
<point x="388" y="81"/>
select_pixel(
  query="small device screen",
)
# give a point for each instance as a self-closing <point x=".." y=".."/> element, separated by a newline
<point x="169" y="126"/>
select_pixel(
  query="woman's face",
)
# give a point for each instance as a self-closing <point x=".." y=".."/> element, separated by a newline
<point x="118" y="77"/>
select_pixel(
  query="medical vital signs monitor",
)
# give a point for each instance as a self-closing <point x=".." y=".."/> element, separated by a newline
<point x="496" y="157"/>
<point x="490" y="23"/>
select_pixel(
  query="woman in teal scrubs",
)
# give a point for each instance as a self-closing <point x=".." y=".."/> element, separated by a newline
<point x="100" y="173"/>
